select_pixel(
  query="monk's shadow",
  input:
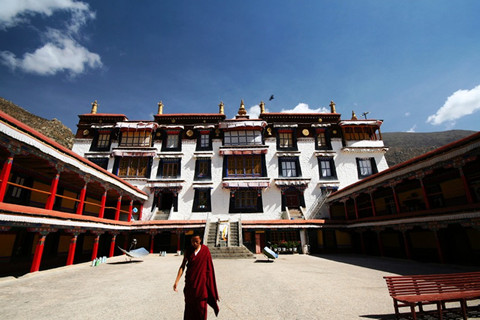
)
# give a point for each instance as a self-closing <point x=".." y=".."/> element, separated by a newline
<point x="264" y="261"/>
<point x="125" y="262"/>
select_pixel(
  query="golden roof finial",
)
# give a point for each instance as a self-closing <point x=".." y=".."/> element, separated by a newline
<point x="354" y="116"/>
<point x="262" y="107"/>
<point x="221" y="108"/>
<point x="332" y="107"/>
<point x="160" y="108"/>
<point x="241" y="110"/>
<point x="94" y="107"/>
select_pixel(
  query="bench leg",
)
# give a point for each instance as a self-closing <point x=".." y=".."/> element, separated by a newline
<point x="463" y="304"/>
<point x="414" y="314"/>
<point x="439" y="309"/>
<point x="395" y="306"/>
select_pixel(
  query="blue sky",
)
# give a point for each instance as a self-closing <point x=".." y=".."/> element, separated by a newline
<point x="414" y="64"/>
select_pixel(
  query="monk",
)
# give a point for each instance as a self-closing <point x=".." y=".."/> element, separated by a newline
<point x="200" y="285"/>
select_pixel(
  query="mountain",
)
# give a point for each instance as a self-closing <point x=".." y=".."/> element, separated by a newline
<point x="54" y="129"/>
<point x="404" y="146"/>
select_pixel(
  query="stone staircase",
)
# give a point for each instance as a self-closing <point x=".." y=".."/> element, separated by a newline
<point x="296" y="214"/>
<point x="231" y="249"/>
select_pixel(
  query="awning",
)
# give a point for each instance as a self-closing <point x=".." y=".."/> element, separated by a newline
<point x="360" y="122"/>
<point x="285" y="125"/>
<point x="239" y="152"/>
<point x="243" y="124"/>
<point x="137" y="125"/>
<point x="102" y="126"/>
<point x="291" y="182"/>
<point x="171" y="126"/>
<point x="167" y="184"/>
<point x="246" y="184"/>
<point x="133" y="153"/>
<point x="204" y="126"/>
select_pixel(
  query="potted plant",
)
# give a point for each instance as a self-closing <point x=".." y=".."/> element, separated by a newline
<point x="275" y="247"/>
<point x="283" y="245"/>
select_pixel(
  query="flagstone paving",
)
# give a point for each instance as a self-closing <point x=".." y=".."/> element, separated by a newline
<point x="291" y="287"/>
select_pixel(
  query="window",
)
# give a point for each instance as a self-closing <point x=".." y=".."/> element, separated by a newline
<point x="327" y="168"/>
<point x="289" y="167"/>
<point x="204" y="142"/>
<point x="169" y="168"/>
<point x="245" y="200"/>
<point x="141" y="138"/>
<point x="286" y="139"/>
<point x="171" y="141"/>
<point x="133" y="167"/>
<point x="101" y="141"/>
<point x="101" y="162"/>
<point x="241" y="138"/>
<point x="366" y="167"/>
<point x="203" y="169"/>
<point x="361" y="133"/>
<point x="17" y="191"/>
<point x="244" y="166"/>
<point x="201" y="201"/>
<point x="322" y="140"/>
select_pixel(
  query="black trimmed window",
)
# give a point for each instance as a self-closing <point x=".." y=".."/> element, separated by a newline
<point x="133" y="167"/>
<point x="244" y="166"/>
<point x="204" y="140"/>
<point x="136" y="138"/>
<point x="286" y="139"/>
<point x="102" y="140"/>
<point x="101" y="162"/>
<point x="366" y="167"/>
<point x="203" y="169"/>
<point x="322" y="140"/>
<point x="242" y="138"/>
<point x="289" y="167"/>
<point x="326" y="166"/>
<point x="246" y="201"/>
<point x="172" y="141"/>
<point x="169" y="168"/>
<point x="202" y="200"/>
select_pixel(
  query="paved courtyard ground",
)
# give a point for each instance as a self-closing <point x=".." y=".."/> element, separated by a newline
<point x="292" y="287"/>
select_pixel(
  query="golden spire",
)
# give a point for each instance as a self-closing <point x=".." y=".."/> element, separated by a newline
<point x="160" y="108"/>
<point x="262" y="107"/>
<point x="332" y="107"/>
<point x="221" y="108"/>
<point x="241" y="110"/>
<point x="94" y="107"/>
<point x="354" y="116"/>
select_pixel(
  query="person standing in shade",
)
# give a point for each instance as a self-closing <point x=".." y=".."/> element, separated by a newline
<point x="200" y="285"/>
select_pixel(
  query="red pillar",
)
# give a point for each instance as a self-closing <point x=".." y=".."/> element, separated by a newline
<point x="356" y="207"/>
<point x="53" y="192"/>
<point x="82" y="199"/>
<point x="395" y="198"/>
<point x="112" y="245"/>
<point x="374" y="212"/>
<point x="152" y="237"/>
<point x="4" y="175"/>
<point x="102" y="205"/>
<point x="130" y="208"/>
<point x="119" y="205"/>
<point x="140" y="211"/>
<point x="37" y="258"/>
<point x="346" y="210"/>
<point x="95" y="246"/>
<point x="178" y="242"/>
<point x="425" y="197"/>
<point x="71" y="249"/>
<point x="468" y="194"/>
<point x="405" y="243"/>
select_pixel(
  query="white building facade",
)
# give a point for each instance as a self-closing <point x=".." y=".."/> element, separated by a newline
<point x="207" y="167"/>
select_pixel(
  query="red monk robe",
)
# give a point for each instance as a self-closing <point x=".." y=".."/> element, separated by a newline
<point x="200" y="285"/>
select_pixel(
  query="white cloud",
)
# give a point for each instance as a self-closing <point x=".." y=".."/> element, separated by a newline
<point x="461" y="103"/>
<point x="254" y="111"/>
<point x="16" y="11"/>
<point x="304" y="108"/>
<point x="412" y="129"/>
<point x="407" y="114"/>
<point x="61" y="53"/>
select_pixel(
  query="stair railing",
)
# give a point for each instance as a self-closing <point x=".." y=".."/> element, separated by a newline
<point x="318" y="204"/>
<point x="240" y="235"/>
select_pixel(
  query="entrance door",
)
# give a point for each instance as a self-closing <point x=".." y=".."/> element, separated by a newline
<point x="165" y="201"/>
<point x="259" y="242"/>
<point x="292" y="199"/>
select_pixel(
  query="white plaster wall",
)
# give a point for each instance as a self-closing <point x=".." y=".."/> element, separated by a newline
<point x="81" y="146"/>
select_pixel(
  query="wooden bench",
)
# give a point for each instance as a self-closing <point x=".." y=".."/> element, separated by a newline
<point x="419" y="290"/>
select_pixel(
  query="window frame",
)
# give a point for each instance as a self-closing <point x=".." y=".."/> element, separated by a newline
<point x="201" y="139"/>
<point x="238" y="163"/>
<point x="198" y="164"/>
<point x="256" y="208"/>
<point x="133" y="138"/>
<point x="333" y="170"/>
<point x="120" y="162"/>
<point x="164" y="163"/>
<point x="293" y="136"/>
<point x="282" y="161"/>
<point x="169" y="134"/>
<point x="95" y="147"/>
<point x="243" y="135"/>
<point x="196" y="200"/>
<point x="372" y="164"/>
<point x="326" y="136"/>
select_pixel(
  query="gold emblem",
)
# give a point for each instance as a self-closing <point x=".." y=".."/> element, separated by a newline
<point x="86" y="132"/>
<point x="189" y="133"/>
<point x="305" y="132"/>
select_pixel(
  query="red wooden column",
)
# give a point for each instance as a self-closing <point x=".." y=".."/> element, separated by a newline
<point x="395" y="198"/>
<point x="117" y="211"/>
<point x="434" y="227"/>
<point x="95" y="243"/>
<point x="152" y="238"/>
<point x="420" y="176"/>
<point x="372" y="202"/>
<point x="130" y="208"/>
<point x="112" y="244"/>
<point x="82" y="199"/>
<point x="346" y="209"/>
<point x="4" y="175"/>
<point x="53" y="192"/>
<point x="355" y="204"/>
<point x="403" y="229"/>
<point x="178" y="242"/>
<point x="37" y="257"/>
<point x="379" y="240"/>
<point x="73" y="245"/>
<point x="468" y="194"/>
<point x="102" y="205"/>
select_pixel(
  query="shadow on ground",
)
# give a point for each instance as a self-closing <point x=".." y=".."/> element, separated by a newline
<point x="125" y="262"/>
